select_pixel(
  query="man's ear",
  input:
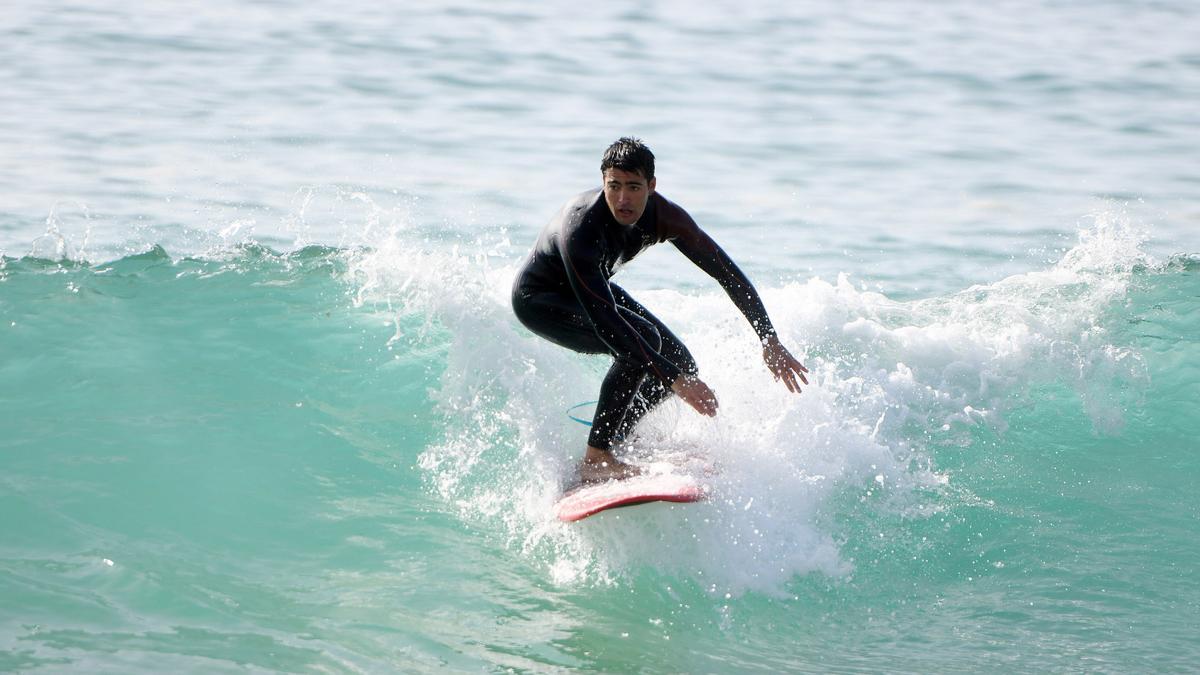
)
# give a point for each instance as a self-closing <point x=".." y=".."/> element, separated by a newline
<point x="651" y="184"/>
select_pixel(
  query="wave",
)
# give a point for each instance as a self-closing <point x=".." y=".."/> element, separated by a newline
<point x="901" y="391"/>
<point x="896" y="387"/>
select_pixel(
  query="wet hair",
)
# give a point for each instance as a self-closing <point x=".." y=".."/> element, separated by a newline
<point x="629" y="154"/>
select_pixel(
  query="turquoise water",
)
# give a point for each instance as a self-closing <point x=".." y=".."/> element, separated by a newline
<point x="247" y="461"/>
<point x="265" y="406"/>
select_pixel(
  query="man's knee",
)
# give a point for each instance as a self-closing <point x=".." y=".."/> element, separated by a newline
<point x="644" y="328"/>
<point x="650" y="334"/>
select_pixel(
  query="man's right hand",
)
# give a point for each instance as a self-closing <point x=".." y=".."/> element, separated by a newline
<point x="695" y="393"/>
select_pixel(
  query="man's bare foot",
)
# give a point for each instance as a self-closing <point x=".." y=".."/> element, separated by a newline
<point x="600" y="465"/>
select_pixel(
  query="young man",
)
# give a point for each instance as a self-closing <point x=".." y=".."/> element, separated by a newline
<point x="563" y="294"/>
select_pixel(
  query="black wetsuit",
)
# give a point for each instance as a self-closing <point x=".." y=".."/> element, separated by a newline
<point x="563" y="294"/>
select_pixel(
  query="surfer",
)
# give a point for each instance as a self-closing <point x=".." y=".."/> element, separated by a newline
<point x="563" y="293"/>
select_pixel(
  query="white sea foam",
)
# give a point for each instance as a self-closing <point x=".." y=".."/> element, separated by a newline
<point x="888" y="378"/>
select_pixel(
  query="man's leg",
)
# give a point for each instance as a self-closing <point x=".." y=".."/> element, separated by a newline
<point x="561" y="320"/>
<point x="616" y="410"/>
<point x="651" y="390"/>
<point x="618" y="392"/>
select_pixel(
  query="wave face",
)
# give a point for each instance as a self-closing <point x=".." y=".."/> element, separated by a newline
<point x="341" y="459"/>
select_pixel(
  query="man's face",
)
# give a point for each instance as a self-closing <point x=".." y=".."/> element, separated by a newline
<point x="626" y="194"/>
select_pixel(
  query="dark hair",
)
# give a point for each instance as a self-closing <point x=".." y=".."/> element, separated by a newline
<point x="629" y="154"/>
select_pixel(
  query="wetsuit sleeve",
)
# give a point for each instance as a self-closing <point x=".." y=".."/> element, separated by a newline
<point x="708" y="256"/>
<point x="581" y="257"/>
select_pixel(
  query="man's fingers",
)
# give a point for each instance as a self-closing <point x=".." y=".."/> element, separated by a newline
<point x="794" y="378"/>
<point x="789" y="375"/>
<point x="784" y="366"/>
<point x="800" y="370"/>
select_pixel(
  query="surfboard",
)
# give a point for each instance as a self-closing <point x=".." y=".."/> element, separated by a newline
<point x="589" y="500"/>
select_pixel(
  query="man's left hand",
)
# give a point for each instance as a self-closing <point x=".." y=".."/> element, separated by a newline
<point x="783" y="365"/>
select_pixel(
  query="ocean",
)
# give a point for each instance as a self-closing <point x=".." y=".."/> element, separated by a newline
<point x="264" y="406"/>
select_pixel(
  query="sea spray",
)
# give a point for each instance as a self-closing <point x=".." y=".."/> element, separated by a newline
<point x="890" y="379"/>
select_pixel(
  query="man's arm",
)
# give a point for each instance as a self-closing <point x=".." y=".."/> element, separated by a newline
<point x="706" y="254"/>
